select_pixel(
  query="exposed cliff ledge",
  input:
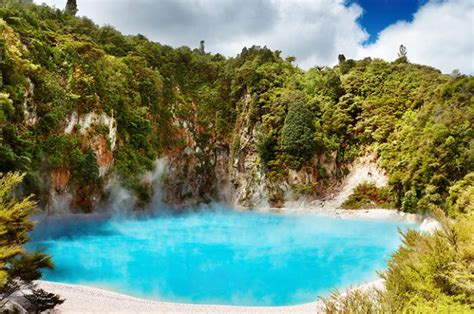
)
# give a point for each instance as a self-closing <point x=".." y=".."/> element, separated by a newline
<point x="98" y="132"/>
<point x="84" y="124"/>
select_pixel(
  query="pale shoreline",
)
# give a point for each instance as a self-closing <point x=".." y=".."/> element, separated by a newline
<point x="364" y="214"/>
<point x="85" y="299"/>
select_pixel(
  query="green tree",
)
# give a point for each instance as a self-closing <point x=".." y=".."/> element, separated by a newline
<point x="402" y="54"/>
<point x="341" y="58"/>
<point x="18" y="268"/>
<point x="71" y="7"/>
<point x="298" y="131"/>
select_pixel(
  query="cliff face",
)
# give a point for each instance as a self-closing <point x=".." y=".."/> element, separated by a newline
<point x="200" y="174"/>
<point x="98" y="132"/>
<point x="84" y="109"/>
<point x="234" y="174"/>
<point x="219" y="170"/>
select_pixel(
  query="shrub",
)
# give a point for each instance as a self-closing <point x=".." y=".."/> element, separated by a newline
<point x="84" y="166"/>
<point x="41" y="300"/>
<point x="368" y="195"/>
<point x="265" y="144"/>
<point x="430" y="273"/>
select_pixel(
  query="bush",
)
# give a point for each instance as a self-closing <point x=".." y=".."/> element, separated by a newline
<point x="368" y="195"/>
<point x="41" y="300"/>
<point x="265" y="143"/>
<point x="18" y="268"/>
<point x="430" y="273"/>
<point x="84" y="166"/>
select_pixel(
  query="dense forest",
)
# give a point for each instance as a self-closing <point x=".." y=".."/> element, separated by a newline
<point x="163" y="100"/>
<point x="82" y="106"/>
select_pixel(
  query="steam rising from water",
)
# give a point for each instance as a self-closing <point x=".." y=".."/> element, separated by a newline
<point x="218" y="255"/>
<point x="121" y="202"/>
<point x="214" y="255"/>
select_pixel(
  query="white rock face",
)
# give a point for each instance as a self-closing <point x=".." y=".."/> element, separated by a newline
<point x="86" y="121"/>
<point x="71" y="122"/>
<point x="430" y="225"/>
<point x="364" y="170"/>
<point x="248" y="181"/>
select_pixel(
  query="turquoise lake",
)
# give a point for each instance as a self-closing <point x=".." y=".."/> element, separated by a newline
<point x="218" y="257"/>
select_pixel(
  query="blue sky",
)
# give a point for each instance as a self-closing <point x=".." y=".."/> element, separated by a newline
<point x="378" y="14"/>
<point x="439" y="33"/>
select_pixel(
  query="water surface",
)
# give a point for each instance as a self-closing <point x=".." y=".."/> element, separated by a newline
<point x="223" y="257"/>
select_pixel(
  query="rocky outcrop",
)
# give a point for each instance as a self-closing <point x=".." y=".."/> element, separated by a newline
<point x="29" y="109"/>
<point x="248" y="184"/>
<point x="213" y="170"/>
<point x="60" y="195"/>
<point x="103" y="150"/>
<point x="365" y="169"/>
<point x="86" y="122"/>
<point x="99" y="132"/>
<point x="233" y="174"/>
<point x="191" y="173"/>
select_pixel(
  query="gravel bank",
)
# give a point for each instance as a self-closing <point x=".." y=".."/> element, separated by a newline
<point x="84" y="299"/>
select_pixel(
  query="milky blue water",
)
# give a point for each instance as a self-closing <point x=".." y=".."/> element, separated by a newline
<point x="224" y="257"/>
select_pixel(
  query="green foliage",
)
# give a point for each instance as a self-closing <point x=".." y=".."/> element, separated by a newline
<point x="17" y="267"/>
<point x="434" y="269"/>
<point x="368" y="195"/>
<point x="461" y="196"/>
<point x="14" y="223"/>
<point x="298" y="131"/>
<point x="431" y="149"/>
<point x="6" y="108"/>
<point x="430" y="273"/>
<point x="356" y="301"/>
<point x="84" y="166"/>
<point x="265" y="143"/>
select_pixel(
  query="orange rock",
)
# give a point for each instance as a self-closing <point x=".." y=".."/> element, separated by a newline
<point x="59" y="178"/>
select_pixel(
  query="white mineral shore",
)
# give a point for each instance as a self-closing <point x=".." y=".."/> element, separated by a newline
<point x="85" y="299"/>
<point x="365" y="214"/>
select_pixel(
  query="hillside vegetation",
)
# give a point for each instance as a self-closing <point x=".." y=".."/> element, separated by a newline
<point x="428" y="274"/>
<point x="212" y="117"/>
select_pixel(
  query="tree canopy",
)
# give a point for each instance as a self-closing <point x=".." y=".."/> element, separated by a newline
<point x="418" y="120"/>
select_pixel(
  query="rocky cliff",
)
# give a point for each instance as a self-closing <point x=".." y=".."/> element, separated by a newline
<point x="86" y="111"/>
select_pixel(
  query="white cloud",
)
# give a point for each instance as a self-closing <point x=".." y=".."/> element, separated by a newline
<point x="314" y="32"/>
<point x="440" y="35"/>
